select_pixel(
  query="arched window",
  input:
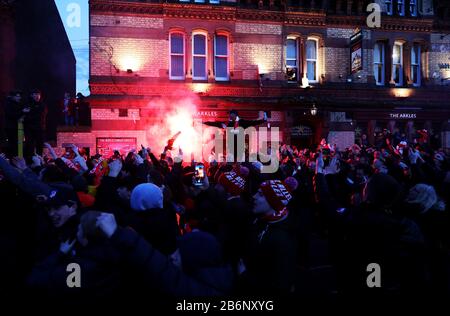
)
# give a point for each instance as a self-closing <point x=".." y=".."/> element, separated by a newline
<point x="378" y="63"/>
<point x="221" y="57"/>
<point x="177" y="56"/>
<point x="199" y="55"/>
<point x="311" y="59"/>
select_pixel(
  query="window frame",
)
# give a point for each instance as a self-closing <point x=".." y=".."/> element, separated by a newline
<point x="316" y="41"/>
<point x="197" y="55"/>
<point x="176" y="54"/>
<point x="297" y="57"/>
<point x="401" y="7"/>
<point x="227" y="78"/>
<point x="401" y="79"/>
<point x="418" y="65"/>
<point x="389" y="7"/>
<point x="413" y="4"/>
<point x="382" y="62"/>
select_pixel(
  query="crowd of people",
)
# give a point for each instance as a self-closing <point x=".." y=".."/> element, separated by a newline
<point x="144" y="224"/>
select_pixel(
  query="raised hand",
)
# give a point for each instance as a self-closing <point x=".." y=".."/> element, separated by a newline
<point x="66" y="246"/>
<point x="114" y="168"/>
<point x="320" y="163"/>
<point x="19" y="163"/>
<point x="107" y="223"/>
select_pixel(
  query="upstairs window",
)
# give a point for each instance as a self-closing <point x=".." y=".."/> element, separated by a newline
<point x="199" y="53"/>
<point x="415" y="65"/>
<point x="378" y="63"/>
<point x="221" y="67"/>
<point x="389" y="7"/>
<point x="401" y="7"/>
<point x="413" y="7"/>
<point x="311" y="60"/>
<point x="176" y="56"/>
<point x="397" y="64"/>
<point x="292" y="60"/>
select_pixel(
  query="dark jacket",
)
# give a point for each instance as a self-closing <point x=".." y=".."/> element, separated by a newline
<point x="35" y="119"/>
<point x="157" y="226"/>
<point x="156" y="269"/>
<point x="99" y="267"/>
<point x="272" y="261"/>
<point x="367" y="234"/>
<point x="242" y="123"/>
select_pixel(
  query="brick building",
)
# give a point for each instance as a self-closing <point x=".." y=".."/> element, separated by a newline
<point x="35" y="52"/>
<point x="314" y="65"/>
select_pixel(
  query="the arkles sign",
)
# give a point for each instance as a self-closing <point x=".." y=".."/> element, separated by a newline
<point x="356" y="52"/>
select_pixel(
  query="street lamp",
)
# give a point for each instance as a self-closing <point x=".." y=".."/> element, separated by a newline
<point x="313" y="110"/>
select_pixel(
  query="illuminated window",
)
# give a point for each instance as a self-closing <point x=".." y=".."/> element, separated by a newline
<point x="292" y="60"/>
<point x="176" y="65"/>
<point x="214" y="1"/>
<point x="397" y="64"/>
<point x="389" y="7"/>
<point x="221" y="57"/>
<point x="378" y="63"/>
<point x="413" y="7"/>
<point x="199" y="52"/>
<point x="199" y="1"/>
<point x="415" y="65"/>
<point x="401" y="7"/>
<point x="311" y="60"/>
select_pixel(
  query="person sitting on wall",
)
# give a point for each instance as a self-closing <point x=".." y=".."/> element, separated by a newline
<point x="235" y="122"/>
<point x="34" y="123"/>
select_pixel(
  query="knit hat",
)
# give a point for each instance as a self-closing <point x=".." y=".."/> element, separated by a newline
<point x="425" y="196"/>
<point x="278" y="195"/>
<point x="146" y="196"/>
<point x="233" y="183"/>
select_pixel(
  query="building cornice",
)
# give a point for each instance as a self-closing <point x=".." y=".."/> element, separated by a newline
<point x="387" y="23"/>
<point x="232" y="13"/>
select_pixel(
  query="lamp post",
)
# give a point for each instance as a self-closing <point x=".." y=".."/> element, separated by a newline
<point x="314" y="110"/>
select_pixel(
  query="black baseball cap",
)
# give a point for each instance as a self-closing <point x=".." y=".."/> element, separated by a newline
<point x="61" y="194"/>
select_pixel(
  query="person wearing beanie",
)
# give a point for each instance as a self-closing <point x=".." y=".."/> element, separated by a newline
<point x="235" y="214"/>
<point x="146" y="196"/>
<point x="273" y="197"/>
<point x="272" y="259"/>
<point x="155" y="223"/>
<point x="233" y="183"/>
<point x="373" y="231"/>
<point x="199" y="255"/>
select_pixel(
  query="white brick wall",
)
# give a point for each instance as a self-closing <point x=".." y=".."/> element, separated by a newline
<point x="257" y="28"/>
<point x="267" y="57"/>
<point x="149" y="55"/>
<point x="126" y="21"/>
<point x="339" y="32"/>
<point x="113" y="114"/>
